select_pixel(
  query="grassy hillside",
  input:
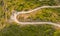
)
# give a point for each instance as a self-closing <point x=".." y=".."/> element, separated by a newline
<point x="11" y="29"/>
<point x="7" y="6"/>
<point x="26" y="4"/>
<point x="29" y="30"/>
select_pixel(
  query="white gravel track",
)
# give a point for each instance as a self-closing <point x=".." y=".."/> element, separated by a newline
<point x="14" y="15"/>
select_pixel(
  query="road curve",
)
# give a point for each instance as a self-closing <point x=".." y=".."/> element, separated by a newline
<point x="14" y="15"/>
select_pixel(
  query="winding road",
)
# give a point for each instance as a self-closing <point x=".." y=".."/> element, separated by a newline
<point x="14" y="15"/>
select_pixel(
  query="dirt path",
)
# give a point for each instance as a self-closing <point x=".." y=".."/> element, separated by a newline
<point x="14" y="15"/>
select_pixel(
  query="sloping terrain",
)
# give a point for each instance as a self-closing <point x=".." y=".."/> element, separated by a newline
<point x="30" y="30"/>
<point x="12" y="29"/>
<point x="45" y="15"/>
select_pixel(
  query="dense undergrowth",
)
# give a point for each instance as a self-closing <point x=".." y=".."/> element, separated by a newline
<point x="6" y="8"/>
<point x="29" y="30"/>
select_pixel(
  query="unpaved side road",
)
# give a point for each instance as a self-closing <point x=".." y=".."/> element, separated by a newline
<point x="14" y="15"/>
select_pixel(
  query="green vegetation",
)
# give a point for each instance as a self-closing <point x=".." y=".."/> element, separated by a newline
<point x="46" y="14"/>
<point x="20" y="5"/>
<point x="7" y="6"/>
<point x="29" y="30"/>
